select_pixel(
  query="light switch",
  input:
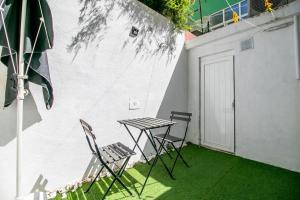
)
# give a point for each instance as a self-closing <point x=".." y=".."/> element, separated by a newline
<point x="134" y="103"/>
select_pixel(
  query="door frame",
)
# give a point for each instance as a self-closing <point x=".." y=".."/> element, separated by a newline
<point x="218" y="55"/>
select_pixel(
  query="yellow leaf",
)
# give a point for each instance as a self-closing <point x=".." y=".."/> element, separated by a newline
<point x="268" y="5"/>
<point x="235" y="17"/>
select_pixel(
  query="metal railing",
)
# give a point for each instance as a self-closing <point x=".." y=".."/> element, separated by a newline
<point x="224" y="17"/>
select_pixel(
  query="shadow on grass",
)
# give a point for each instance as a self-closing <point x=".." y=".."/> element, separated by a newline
<point x="100" y="187"/>
<point x="213" y="175"/>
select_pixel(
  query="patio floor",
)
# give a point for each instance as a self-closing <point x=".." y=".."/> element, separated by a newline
<point x="213" y="175"/>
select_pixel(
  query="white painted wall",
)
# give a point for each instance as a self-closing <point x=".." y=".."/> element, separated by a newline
<point x="266" y="89"/>
<point x="95" y="84"/>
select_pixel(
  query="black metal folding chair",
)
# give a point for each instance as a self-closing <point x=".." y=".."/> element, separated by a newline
<point x="169" y="139"/>
<point x="107" y="155"/>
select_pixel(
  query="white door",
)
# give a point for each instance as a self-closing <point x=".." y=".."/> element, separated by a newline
<point x="217" y="102"/>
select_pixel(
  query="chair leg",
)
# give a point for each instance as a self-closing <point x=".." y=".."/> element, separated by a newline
<point x="120" y="173"/>
<point x="110" y="186"/>
<point x="158" y="151"/>
<point x="94" y="180"/>
<point x="178" y="155"/>
<point x="124" y="186"/>
<point x="164" y="148"/>
<point x="116" y="177"/>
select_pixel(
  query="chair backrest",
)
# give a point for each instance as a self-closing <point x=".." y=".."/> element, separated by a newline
<point x="182" y="116"/>
<point x="89" y="135"/>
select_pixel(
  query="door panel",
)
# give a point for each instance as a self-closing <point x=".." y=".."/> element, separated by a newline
<point x="217" y="102"/>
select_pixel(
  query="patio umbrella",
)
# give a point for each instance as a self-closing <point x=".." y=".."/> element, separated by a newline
<point x="25" y="34"/>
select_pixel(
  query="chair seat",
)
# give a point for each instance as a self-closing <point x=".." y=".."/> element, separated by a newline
<point x="169" y="138"/>
<point x="115" y="152"/>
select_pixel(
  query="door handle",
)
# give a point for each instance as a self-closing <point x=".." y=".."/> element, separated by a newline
<point x="233" y="104"/>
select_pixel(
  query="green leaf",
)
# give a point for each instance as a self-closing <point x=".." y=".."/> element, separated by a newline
<point x="178" y="11"/>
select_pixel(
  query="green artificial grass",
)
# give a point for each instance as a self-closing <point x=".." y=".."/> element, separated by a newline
<point x="212" y="176"/>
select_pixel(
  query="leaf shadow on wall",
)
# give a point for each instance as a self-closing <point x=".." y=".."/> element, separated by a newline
<point x="93" y="22"/>
<point x="157" y="35"/>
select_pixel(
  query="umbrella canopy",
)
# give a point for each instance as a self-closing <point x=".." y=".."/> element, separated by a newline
<point x="38" y="37"/>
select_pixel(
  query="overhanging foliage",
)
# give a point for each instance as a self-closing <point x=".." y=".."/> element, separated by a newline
<point x="178" y="11"/>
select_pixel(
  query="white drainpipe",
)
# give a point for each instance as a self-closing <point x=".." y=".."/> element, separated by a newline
<point x="297" y="55"/>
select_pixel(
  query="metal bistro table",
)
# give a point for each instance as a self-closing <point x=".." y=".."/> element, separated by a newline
<point x="145" y="125"/>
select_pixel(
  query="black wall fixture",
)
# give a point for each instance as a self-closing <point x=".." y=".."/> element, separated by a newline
<point x="134" y="32"/>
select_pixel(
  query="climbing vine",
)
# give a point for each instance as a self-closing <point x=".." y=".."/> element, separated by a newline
<point x="178" y="11"/>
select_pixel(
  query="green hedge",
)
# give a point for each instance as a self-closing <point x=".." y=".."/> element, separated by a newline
<point x="178" y="11"/>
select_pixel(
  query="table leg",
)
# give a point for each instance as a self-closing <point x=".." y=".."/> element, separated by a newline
<point x="136" y="143"/>
<point x="164" y="148"/>
<point x="158" y="151"/>
<point x="153" y="139"/>
<point x="157" y="156"/>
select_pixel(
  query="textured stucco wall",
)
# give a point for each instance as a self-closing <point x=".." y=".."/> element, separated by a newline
<point x="95" y="68"/>
<point x="267" y="92"/>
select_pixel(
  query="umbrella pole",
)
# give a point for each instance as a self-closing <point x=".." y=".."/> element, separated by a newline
<point x="20" y="101"/>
